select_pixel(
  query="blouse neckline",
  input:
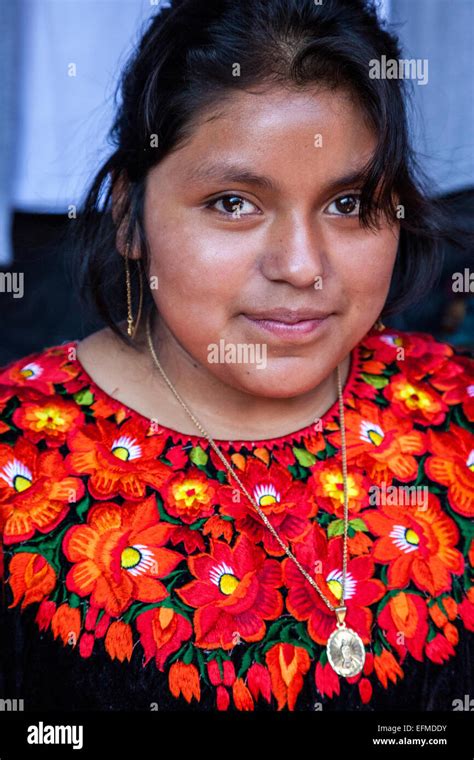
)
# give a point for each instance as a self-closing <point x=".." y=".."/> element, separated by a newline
<point x="195" y="440"/>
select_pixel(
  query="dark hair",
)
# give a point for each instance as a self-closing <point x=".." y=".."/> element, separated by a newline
<point x="183" y="65"/>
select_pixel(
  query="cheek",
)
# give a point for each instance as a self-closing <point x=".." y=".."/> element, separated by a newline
<point x="366" y="265"/>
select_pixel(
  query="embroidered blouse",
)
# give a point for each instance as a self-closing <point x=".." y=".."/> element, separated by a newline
<point x="136" y="574"/>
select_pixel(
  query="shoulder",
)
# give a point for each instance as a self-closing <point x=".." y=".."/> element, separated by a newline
<point x="426" y="380"/>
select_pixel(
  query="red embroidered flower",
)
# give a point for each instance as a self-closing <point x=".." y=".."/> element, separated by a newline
<point x="31" y="578"/>
<point x="259" y="682"/>
<point x="322" y="560"/>
<point x="418" y="353"/>
<point x="381" y="443"/>
<point x="418" y="544"/>
<point x="327" y="680"/>
<point x="120" y="555"/>
<point x="49" y="419"/>
<point x="162" y="632"/>
<point x="439" y="649"/>
<point x="35" y="490"/>
<point x="287" y="504"/>
<point x="38" y="373"/>
<point x="452" y="465"/>
<point x="415" y="399"/>
<point x="120" y="460"/>
<point x="235" y="591"/>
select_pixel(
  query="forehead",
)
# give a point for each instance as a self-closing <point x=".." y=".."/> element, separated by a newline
<point x="278" y="132"/>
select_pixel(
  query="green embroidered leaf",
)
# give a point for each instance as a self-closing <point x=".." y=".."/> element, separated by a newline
<point x="84" y="397"/>
<point x="74" y="600"/>
<point x="336" y="528"/>
<point x="188" y="655"/>
<point x="330" y="450"/>
<point x="83" y="506"/>
<point x="304" y="457"/>
<point x="246" y="663"/>
<point x="198" y="456"/>
<point x="376" y="380"/>
<point x="358" y="524"/>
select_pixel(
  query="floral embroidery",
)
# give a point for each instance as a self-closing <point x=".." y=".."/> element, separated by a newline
<point x="128" y="536"/>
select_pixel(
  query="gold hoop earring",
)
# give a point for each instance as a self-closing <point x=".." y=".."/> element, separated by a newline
<point x="131" y="327"/>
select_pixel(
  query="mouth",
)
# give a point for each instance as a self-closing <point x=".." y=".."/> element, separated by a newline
<point x="290" y="327"/>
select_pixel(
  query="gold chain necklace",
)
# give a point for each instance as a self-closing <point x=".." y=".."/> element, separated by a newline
<point x="345" y="649"/>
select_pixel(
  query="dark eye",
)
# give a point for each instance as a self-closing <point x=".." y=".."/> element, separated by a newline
<point x="346" y="205"/>
<point x="232" y="205"/>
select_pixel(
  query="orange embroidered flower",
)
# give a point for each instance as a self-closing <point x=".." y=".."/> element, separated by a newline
<point x="235" y="591"/>
<point x="405" y="622"/>
<point x="50" y="419"/>
<point x="184" y="679"/>
<point x="189" y="496"/>
<point x="66" y="623"/>
<point x="416" y="400"/>
<point x="242" y="696"/>
<point x="288" y="665"/>
<point x="36" y="491"/>
<point x="120" y="555"/>
<point x="387" y="668"/>
<point x="31" y="578"/>
<point x="119" y="641"/>
<point x="162" y="632"/>
<point x="287" y="504"/>
<point x="381" y="443"/>
<point x="452" y="465"/>
<point x="417" y="544"/>
<point x="120" y="460"/>
<point x="329" y="488"/>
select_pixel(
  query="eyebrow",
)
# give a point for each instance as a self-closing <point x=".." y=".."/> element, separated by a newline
<point x="224" y="172"/>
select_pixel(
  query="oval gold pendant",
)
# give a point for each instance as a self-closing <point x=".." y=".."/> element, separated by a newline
<point x="346" y="652"/>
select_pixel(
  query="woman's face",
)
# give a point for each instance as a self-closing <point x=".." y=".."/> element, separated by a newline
<point x="286" y="237"/>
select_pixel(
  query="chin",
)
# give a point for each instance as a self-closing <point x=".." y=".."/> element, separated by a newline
<point x="271" y="384"/>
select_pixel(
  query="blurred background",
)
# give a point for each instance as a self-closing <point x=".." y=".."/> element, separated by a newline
<point x="59" y="66"/>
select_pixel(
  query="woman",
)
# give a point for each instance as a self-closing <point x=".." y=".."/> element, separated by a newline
<point x="244" y="400"/>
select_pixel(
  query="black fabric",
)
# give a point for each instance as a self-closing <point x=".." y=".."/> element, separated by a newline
<point x="48" y="675"/>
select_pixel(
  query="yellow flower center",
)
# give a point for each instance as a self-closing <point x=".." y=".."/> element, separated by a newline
<point x="412" y="537"/>
<point x="266" y="499"/>
<point x="121" y="453"/>
<point x="375" y="437"/>
<point x="26" y="372"/>
<point x="130" y="557"/>
<point x="20" y="483"/>
<point x="414" y="397"/>
<point x="191" y="491"/>
<point x="334" y="487"/>
<point x="50" y="418"/>
<point x="228" y="583"/>
<point x="336" y="588"/>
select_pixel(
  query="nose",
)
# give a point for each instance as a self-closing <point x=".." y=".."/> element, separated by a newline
<point x="294" y="250"/>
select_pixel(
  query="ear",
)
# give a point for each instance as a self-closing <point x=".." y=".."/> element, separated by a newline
<point x="119" y="201"/>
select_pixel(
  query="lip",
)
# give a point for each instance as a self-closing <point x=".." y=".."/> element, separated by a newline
<point x="294" y="331"/>
<point x="289" y="316"/>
